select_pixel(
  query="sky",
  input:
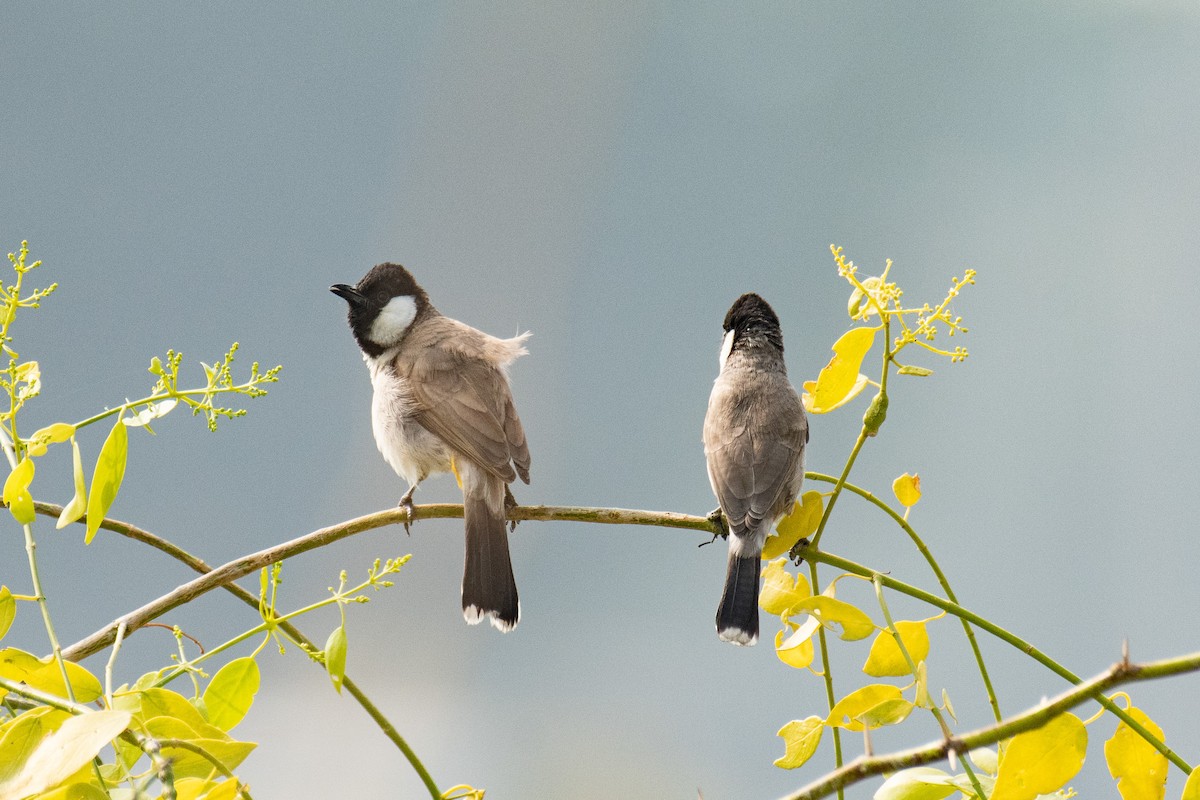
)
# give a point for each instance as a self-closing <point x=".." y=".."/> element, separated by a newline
<point x="611" y="177"/>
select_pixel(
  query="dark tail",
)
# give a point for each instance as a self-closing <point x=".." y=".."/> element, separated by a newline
<point x="489" y="589"/>
<point x="737" y="616"/>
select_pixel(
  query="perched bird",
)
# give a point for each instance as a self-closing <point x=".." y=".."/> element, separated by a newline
<point x="754" y="437"/>
<point x="442" y="403"/>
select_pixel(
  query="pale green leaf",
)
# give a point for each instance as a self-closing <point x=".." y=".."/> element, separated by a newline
<point x="1043" y="760"/>
<point x="917" y="783"/>
<point x="800" y="522"/>
<point x="75" y="791"/>
<point x="800" y="740"/>
<point x="21" y="737"/>
<point x="1139" y="769"/>
<point x="846" y="711"/>
<point x="797" y="650"/>
<point x="780" y="590"/>
<point x="985" y="759"/>
<point x="8" y="610"/>
<point x="335" y="657"/>
<point x="150" y="413"/>
<point x="839" y="381"/>
<point x="889" y="712"/>
<point x="51" y="434"/>
<point x="909" y="369"/>
<point x="854" y="623"/>
<point x="75" y="509"/>
<point x="186" y="763"/>
<point x="907" y="489"/>
<point x="231" y="691"/>
<point x="885" y="659"/>
<point x="16" y="492"/>
<point x="1191" y="789"/>
<point x="107" y="477"/>
<point x="48" y="677"/>
<point x="58" y="756"/>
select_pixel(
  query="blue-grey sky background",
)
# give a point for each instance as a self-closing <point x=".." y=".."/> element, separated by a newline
<point x="611" y="177"/>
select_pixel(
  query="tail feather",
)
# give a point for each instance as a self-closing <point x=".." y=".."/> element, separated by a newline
<point x="737" y="615"/>
<point x="489" y="589"/>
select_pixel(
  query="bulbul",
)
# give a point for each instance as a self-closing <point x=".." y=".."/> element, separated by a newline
<point x="754" y="437"/>
<point x="442" y="403"/>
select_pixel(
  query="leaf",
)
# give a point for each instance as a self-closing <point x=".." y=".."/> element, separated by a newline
<point x="780" y="591"/>
<point x="797" y="650"/>
<point x="107" y="477"/>
<point x="1191" y="789"/>
<point x="186" y="763"/>
<point x="800" y="522"/>
<point x="907" y="489"/>
<point x="885" y="659"/>
<point x="920" y="372"/>
<point x="16" y="492"/>
<point x="8" y="610"/>
<point x="48" y="677"/>
<point x="855" y="624"/>
<point x="846" y="711"/>
<point x="800" y="740"/>
<point x="75" y="509"/>
<point x="51" y="434"/>
<point x="20" y="739"/>
<point x="62" y="753"/>
<point x="335" y="657"/>
<point x="231" y="691"/>
<point x="1139" y="769"/>
<point x="917" y="783"/>
<point x="889" y="712"/>
<point x="985" y="759"/>
<point x="75" y="791"/>
<point x="150" y="413"/>
<point x="1041" y="761"/>
<point x="839" y="381"/>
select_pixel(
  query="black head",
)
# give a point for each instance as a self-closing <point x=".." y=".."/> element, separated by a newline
<point x="752" y="319"/>
<point x="382" y="306"/>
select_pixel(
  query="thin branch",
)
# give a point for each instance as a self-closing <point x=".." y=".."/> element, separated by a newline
<point x="1120" y="673"/>
<point x="253" y="562"/>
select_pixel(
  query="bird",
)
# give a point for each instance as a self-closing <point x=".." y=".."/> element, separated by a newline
<point x="442" y="403"/>
<point x="754" y="437"/>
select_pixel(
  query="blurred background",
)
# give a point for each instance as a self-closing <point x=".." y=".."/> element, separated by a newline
<point x="611" y="178"/>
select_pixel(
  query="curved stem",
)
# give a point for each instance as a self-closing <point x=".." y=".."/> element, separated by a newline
<point x="937" y="571"/>
<point x="1000" y="633"/>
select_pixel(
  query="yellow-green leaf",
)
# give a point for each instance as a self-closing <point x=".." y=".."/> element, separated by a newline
<point x="1191" y="789"/>
<point x="797" y="649"/>
<point x="335" y="657"/>
<point x="907" y="489"/>
<point x="986" y="759"/>
<point x="75" y="791"/>
<point x="854" y="623"/>
<point x="186" y="763"/>
<point x="846" y="711"/>
<point x="839" y="381"/>
<point x="1041" y="761"/>
<point x="56" y="757"/>
<point x="231" y="691"/>
<point x="917" y="783"/>
<point x="107" y="477"/>
<point x="75" y="509"/>
<point x="800" y="522"/>
<point x="860" y="305"/>
<point x="51" y="434"/>
<point x="48" y="677"/>
<point x="800" y="740"/>
<point x="1139" y="769"/>
<point x="780" y="591"/>
<point x="8" y="610"/>
<point x="889" y="712"/>
<point x="885" y="659"/>
<point x="20" y="739"/>
<point x="16" y="492"/>
<point x="920" y="372"/>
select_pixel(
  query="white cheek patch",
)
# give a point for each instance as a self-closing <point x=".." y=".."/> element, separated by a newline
<point x="726" y="347"/>
<point x="393" y="320"/>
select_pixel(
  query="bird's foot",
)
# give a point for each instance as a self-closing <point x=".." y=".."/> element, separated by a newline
<point x="406" y="503"/>
<point x="510" y="503"/>
<point x="719" y="526"/>
<point x="798" y="559"/>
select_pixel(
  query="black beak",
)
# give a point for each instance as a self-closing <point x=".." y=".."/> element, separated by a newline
<point x="348" y="293"/>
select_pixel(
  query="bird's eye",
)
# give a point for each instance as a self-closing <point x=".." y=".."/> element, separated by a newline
<point x="382" y="298"/>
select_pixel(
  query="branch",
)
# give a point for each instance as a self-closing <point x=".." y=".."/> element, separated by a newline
<point x="253" y="562"/>
<point x="1120" y="673"/>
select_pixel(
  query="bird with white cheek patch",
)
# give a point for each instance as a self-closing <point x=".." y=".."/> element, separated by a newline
<point x="754" y="437"/>
<point x="442" y="403"/>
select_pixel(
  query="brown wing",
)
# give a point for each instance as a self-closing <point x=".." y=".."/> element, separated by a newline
<point x="755" y="450"/>
<point x="466" y="402"/>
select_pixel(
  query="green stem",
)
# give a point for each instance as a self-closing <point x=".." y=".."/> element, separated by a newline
<point x="1025" y="647"/>
<point x="937" y="571"/>
<point x="922" y="686"/>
